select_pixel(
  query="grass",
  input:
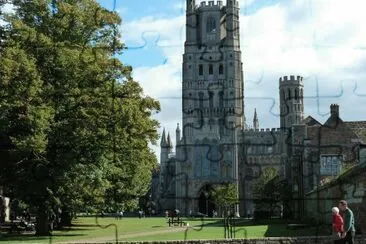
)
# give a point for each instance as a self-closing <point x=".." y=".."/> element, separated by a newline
<point x="134" y="229"/>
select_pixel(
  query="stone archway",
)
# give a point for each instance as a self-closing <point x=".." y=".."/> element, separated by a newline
<point x="206" y="204"/>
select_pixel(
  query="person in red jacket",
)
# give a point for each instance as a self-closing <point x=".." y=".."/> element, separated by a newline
<point x="337" y="224"/>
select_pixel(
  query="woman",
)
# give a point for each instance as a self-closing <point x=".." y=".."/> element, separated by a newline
<point x="337" y="224"/>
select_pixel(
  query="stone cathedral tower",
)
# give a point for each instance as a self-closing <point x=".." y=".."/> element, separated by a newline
<point x="213" y="109"/>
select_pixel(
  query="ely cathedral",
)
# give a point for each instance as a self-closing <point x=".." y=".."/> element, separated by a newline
<point x="215" y="143"/>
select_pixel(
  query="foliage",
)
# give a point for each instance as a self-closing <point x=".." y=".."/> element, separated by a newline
<point x="74" y="124"/>
<point x="266" y="190"/>
<point x="225" y="196"/>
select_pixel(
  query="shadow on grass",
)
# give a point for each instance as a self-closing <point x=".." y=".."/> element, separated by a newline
<point x="277" y="230"/>
<point x="64" y="232"/>
<point x="33" y="237"/>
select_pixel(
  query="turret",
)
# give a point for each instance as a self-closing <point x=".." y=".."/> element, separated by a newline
<point x="191" y="5"/>
<point x="291" y="100"/>
<point x="232" y="23"/>
<point x="255" y="120"/>
<point x="191" y="23"/>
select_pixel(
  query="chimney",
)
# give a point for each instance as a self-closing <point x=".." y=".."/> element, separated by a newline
<point x="334" y="110"/>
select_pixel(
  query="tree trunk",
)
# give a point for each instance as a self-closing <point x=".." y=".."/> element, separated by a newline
<point x="66" y="218"/>
<point x="42" y="224"/>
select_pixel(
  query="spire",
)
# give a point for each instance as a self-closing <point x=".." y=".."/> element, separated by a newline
<point x="170" y="144"/>
<point x="177" y="135"/>
<point x="255" y="120"/>
<point x="163" y="139"/>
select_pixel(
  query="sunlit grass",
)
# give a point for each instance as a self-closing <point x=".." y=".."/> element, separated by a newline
<point x="135" y="229"/>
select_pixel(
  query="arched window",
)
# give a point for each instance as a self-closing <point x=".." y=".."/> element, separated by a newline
<point x="289" y="94"/>
<point x="282" y="95"/>
<point x="221" y="99"/>
<point x="200" y="69"/>
<point x="221" y="69"/>
<point x="210" y="69"/>
<point x="201" y="100"/>
<point x="210" y="25"/>
<point x="221" y="127"/>
<point x="211" y="94"/>
<point x="296" y="93"/>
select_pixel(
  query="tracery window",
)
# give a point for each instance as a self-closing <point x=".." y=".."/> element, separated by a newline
<point x="210" y="25"/>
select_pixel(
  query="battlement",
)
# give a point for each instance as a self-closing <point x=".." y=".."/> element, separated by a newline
<point x="218" y="3"/>
<point x="230" y="3"/>
<point x="263" y="130"/>
<point x="291" y="79"/>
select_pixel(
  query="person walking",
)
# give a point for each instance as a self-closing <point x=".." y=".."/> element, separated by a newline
<point x="337" y="224"/>
<point x="349" y="223"/>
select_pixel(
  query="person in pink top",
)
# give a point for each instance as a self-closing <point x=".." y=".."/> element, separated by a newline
<point x="337" y="225"/>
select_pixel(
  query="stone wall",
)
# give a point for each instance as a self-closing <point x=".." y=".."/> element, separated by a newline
<point x="350" y="186"/>
<point x="269" y="240"/>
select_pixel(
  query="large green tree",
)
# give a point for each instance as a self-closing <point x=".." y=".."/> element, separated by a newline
<point x="74" y="124"/>
<point x="225" y="196"/>
<point x="266" y="190"/>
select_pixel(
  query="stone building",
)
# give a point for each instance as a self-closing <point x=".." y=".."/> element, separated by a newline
<point x="215" y="145"/>
<point x="350" y="186"/>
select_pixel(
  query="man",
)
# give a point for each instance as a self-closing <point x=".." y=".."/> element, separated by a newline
<point x="349" y="222"/>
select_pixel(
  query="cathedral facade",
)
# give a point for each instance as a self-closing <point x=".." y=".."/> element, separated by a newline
<point x="214" y="144"/>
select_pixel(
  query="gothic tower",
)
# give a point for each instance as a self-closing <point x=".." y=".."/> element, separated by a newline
<point x="212" y="104"/>
<point x="291" y="101"/>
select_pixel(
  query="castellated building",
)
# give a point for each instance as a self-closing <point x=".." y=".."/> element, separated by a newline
<point x="215" y="145"/>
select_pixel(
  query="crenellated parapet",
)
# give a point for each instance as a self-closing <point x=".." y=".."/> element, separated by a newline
<point x="293" y="80"/>
<point x="262" y="130"/>
<point x="210" y="4"/>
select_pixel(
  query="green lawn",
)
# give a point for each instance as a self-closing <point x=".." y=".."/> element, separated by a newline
<point x="135" y="229"/>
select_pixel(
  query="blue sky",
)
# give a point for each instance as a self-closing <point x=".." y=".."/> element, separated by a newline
<point x="322" y="40"/>
<point x="147" y="46"/>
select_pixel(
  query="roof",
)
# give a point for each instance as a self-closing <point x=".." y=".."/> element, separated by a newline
<point x="310" y="121"/>
<point x="333" y="121"/>
<point x="349" y="175"/>
<point x="359" y="128"/>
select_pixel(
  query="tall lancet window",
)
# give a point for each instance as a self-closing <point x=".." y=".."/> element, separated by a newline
<point x="211" y="25"/>
<point x="221" y="69"/>
<point x="210" y="69"/>
<point x="201" y="100"/>
<point x="221" y="99"/>
<point x="211" y="94"/>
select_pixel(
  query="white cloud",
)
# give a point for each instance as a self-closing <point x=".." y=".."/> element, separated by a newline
<point x="7" y="9"/>
<point x="322" y="40"/>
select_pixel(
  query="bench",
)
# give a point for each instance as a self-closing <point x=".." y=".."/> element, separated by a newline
<point x="17" y="226"/>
